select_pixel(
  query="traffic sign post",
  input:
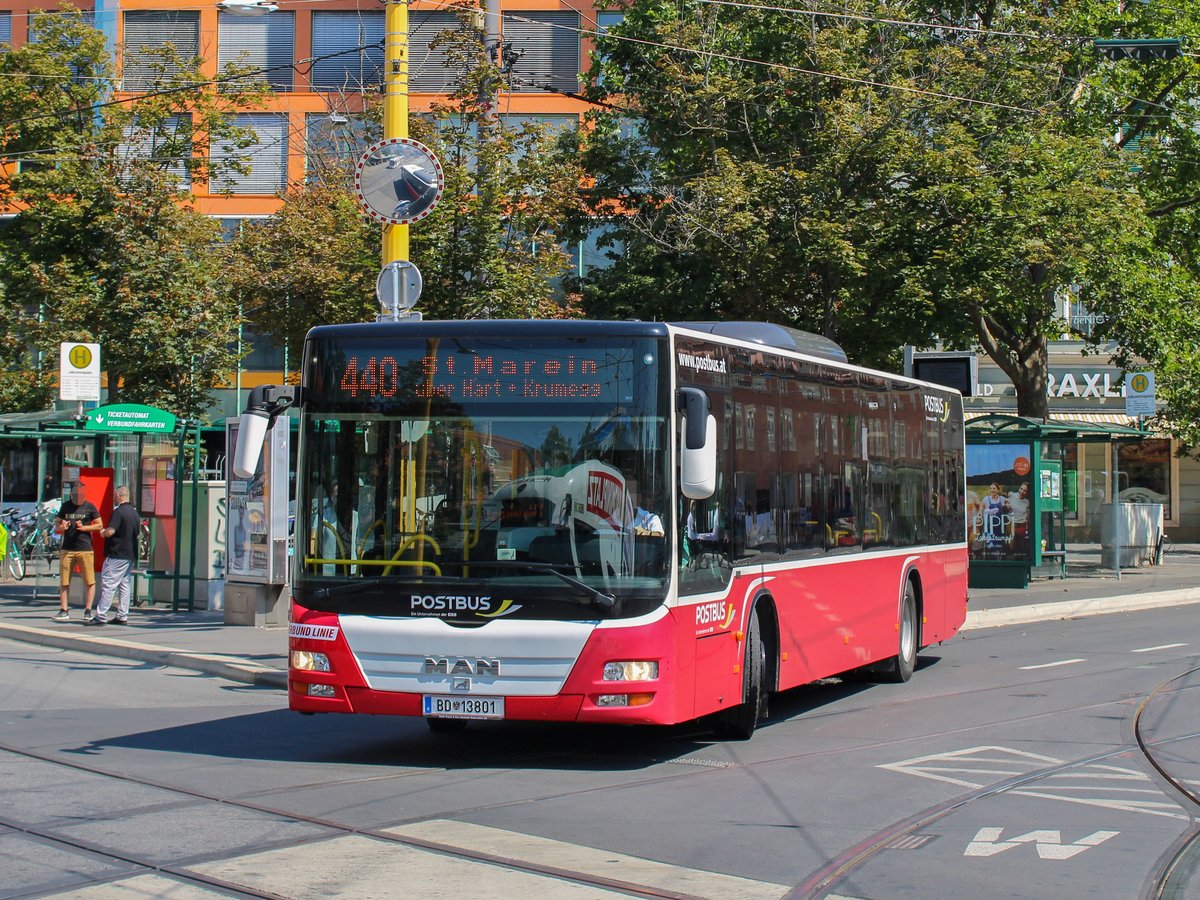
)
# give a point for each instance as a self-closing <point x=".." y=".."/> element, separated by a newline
<point x="1139" y="394"/>
<point x="130" y="417"/>
<point x="398" y="289"/>
<point x="79" y="372"/>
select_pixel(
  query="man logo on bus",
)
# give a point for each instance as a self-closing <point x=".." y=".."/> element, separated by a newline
<point x="441" y="665"/>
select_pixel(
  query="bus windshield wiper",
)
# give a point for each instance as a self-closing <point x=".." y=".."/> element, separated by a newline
<point x="596" y="597"/>
<point x="350" y="587"/>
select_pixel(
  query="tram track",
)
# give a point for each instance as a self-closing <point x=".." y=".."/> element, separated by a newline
<point x="1175" y="870"/>
<point x="1169" y="878"/>
<point x="1178" y="863"/>
<point x="336" y="829"/>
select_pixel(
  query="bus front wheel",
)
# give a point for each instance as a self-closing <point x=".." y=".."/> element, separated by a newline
<point x="738" y="723"/>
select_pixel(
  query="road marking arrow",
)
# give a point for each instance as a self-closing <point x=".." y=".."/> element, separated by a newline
<point x="1049" y="843"/>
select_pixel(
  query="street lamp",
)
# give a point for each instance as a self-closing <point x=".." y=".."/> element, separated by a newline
<point x="248" y="8"/>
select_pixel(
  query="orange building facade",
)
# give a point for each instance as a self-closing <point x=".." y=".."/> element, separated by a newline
<point x="320" y="59"/>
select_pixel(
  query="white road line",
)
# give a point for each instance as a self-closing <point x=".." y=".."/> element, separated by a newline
<point x="1094" y="779"/>
<point x="564" y="855"/>
<point x="1061" y="662"/>
<point x="354" y="866"/>
<point x="1159" y="647"/>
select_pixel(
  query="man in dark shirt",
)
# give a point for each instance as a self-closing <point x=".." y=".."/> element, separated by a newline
<point x="76" y="520"/>
<point x="120" y="550"/>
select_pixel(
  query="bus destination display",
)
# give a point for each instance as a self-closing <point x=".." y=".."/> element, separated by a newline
<point x="475" y="376"/>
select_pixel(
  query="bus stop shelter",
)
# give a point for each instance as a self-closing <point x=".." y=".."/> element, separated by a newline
<point x="1018" y="492"/>
<point x="146" y="448"/>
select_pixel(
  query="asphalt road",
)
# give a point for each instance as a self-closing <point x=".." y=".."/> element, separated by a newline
<point x="1048" y="759"/>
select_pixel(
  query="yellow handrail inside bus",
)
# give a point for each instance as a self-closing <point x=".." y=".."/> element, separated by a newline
<point x="363" y="543"/>
<point x="410" y="541"/>
<point x="341" y="545"/>
<point x="412" y="563"/>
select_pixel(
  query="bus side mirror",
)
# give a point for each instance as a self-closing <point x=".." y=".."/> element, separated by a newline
<point x="263" y="405"/>
<point x="698" y="449"/>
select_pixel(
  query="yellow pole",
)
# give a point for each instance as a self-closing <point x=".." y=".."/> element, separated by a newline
<point x="395" y="108"/>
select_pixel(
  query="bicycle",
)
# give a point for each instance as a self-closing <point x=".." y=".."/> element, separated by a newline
<point x="14" y="561"/>
<point x="35" y="538"/>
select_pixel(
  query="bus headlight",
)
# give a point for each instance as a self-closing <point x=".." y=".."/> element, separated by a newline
<point x="624" y="699"/>
<point x="636" y="670"/>
<point x="306" y="661"/>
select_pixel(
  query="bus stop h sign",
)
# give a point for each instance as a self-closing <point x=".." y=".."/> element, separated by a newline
<point x="399" y="181"/>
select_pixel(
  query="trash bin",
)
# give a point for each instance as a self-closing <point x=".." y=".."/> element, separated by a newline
<point x="1134" y="533"/>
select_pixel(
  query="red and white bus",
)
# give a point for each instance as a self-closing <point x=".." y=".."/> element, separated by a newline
<point x="634" y="522"/>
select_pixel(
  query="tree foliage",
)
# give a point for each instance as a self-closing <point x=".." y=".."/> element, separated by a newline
<point x="312" y="263"/>
<point x="103" y="246"/>
<point x="896" y="172"/>
<point x="490" y="249"/>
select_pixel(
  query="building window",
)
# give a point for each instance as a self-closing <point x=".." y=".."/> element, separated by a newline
<point x="6" y="30"/>
<point x="431" y="69"/>
<point x="1144" y="473"/>
<point x="267" y="157"/>
<point x="333" y="143"/>
<point x="265" y="44"/>
<point x="347" y="51"/>
<point x="169" y="146"/>
<point x="147" y="33"/>
<point x="547" y="44"/>
<point x="604" y="22"/>
<point x="264" y="354"/>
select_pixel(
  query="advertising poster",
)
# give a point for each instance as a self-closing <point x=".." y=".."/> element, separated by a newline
<point x="247" y="504"/>
<point x="999" y="493"/>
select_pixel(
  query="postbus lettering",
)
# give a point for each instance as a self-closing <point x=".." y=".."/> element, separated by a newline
<point x="707" y="613"/>
<point x="450" y="602"/>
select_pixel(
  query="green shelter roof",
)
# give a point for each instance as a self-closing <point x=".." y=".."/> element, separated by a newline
<point x="1004" y="427"/>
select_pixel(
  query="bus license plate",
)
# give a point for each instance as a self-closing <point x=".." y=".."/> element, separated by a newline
<point x="464" y="707"/>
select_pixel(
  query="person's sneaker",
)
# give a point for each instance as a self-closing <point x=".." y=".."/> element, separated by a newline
<point x="118" y="621"/>
<point x="95" y="620"/>
<point x="61" y="616"/>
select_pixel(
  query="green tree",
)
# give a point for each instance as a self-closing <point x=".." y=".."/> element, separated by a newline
<point x="103" y="246"/>
<point x="491" y="248"/>
<point x="887" y="174"/>
<point x="312" y="263"/>
<point x="751" y="181"/>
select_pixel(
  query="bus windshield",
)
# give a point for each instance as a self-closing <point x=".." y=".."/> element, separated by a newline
<point x="473" y="478"/>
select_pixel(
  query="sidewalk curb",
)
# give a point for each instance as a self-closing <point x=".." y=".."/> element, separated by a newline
<point x="276" y="678"/>
<point x="1070" y="609"/>
<point x="220" y="666"/>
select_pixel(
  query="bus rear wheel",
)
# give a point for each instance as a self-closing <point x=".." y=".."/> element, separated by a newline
<point x="738" y="723"/>
<point x="900" y="667"/>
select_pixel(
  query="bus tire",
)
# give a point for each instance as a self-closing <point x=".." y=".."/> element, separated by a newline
<point x="739" y="722"/>
<point x="900" y="667"/>
<point x="446" y="726"/>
